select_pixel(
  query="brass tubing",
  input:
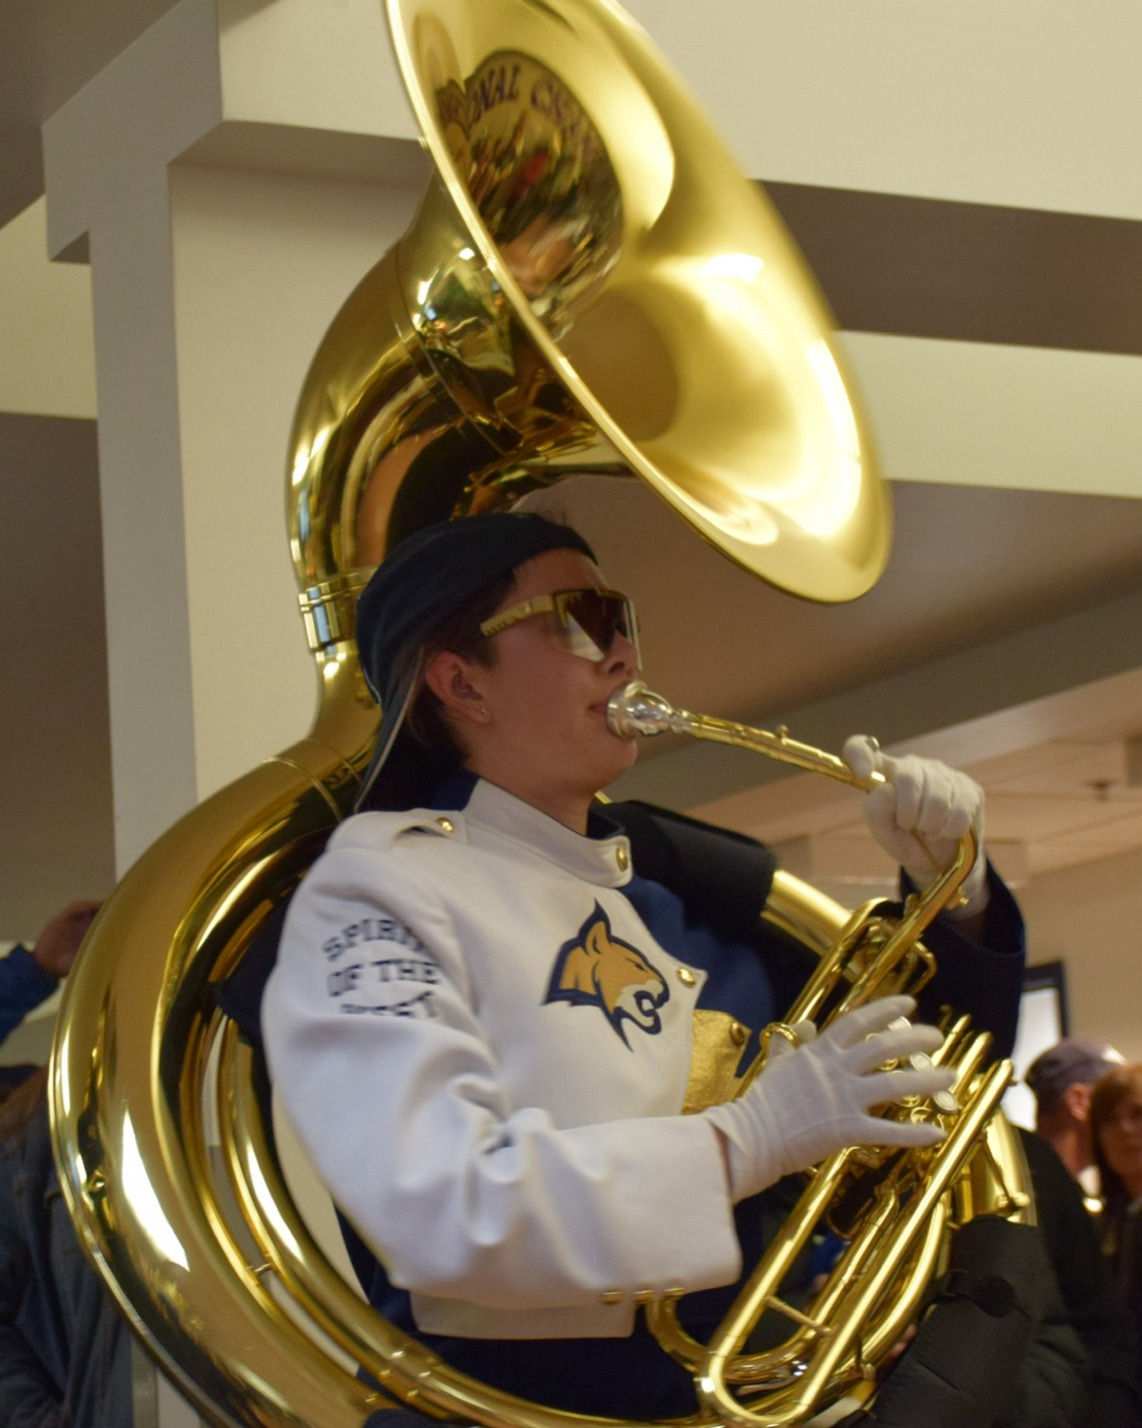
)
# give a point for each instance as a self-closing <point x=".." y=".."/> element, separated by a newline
<point x="857" y="1307"/>
<point x="890" y="958"/>
<point x="773" y="1267"/>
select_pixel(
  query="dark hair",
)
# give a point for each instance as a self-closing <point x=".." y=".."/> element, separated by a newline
<point x="426" y="721"/>
<point x="1108" y="1093"/>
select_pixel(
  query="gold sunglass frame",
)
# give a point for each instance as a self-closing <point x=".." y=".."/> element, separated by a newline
<point x="559" y="603"/>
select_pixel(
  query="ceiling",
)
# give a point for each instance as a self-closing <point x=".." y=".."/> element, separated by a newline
<point x="1004" y="635"/>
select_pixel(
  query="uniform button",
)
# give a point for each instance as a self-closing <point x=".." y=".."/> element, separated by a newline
<point x="446" y="824"/>
<point x="686" y="977"/>
<point x="738" y="1033"/>
<point x="612" y="1296"/>
<point x="623" y="859"/>
<point x="644" y="1296"/>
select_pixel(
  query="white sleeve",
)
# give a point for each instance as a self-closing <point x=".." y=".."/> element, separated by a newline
<point x="394" y="1091"/>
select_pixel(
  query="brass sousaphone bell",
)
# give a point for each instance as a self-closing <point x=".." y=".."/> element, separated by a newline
<point x="590" y="285"/>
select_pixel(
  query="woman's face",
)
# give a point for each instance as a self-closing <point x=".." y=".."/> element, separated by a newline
<point x="540" y="729"/>
<point x="1120" y="1137"/>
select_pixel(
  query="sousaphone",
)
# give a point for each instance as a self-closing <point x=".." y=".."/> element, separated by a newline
<point x="590" y="285"/>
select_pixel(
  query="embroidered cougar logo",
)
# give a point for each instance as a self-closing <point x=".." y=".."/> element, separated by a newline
<point x="596" y="969"/>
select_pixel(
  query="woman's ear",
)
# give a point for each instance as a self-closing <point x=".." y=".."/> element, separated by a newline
<point x="456" y="683"/>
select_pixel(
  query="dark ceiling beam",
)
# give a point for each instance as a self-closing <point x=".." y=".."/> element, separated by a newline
<point x="973" y="272"/>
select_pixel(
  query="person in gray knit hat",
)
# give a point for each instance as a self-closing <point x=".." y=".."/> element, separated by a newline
<point x="1060" y="1079"/>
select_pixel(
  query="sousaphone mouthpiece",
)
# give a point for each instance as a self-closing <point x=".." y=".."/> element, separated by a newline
<point x="635" y="711"/>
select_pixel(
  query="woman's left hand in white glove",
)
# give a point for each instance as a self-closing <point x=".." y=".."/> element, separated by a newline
<point x="920" y="813"/>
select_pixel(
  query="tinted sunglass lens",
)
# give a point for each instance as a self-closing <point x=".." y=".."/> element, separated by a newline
<point x="600" y="617"/>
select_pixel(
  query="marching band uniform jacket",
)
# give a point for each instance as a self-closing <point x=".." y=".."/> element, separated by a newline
<point x="484" y="1026"/>
<point x="477" y="987"/>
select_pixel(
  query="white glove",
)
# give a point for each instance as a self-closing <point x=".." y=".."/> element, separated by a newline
<point x="813" y="1100"/>
<point x="919" y="814"/>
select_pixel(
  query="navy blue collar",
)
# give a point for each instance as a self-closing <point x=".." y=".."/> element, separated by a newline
<point x="455" y="789"/>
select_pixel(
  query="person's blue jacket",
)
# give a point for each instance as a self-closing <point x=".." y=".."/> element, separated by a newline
<point x="23" y="986"/>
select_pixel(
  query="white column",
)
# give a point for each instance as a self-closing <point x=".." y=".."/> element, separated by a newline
<point x="233" y="176"/>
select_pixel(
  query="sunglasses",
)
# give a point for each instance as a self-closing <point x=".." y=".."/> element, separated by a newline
<point x="586" y="621"/>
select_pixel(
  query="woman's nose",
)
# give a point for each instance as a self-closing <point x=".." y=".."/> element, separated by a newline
<point x="623" y="655"/>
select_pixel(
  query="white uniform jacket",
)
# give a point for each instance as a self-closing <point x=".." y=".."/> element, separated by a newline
<point x="486" y="1054"/>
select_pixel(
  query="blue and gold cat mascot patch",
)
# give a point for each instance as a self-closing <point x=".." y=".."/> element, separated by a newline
<point x="596" y="969"/>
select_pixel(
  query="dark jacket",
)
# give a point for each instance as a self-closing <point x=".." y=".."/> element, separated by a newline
<point x="1088" y="1293"/>
<point x="65" y="1350"/>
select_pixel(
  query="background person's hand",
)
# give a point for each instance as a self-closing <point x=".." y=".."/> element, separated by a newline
<point x="919" y="814"/>
<point x="58" y="942"/>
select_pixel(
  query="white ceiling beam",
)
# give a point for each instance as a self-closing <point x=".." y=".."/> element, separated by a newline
<point x="983" y="414"/>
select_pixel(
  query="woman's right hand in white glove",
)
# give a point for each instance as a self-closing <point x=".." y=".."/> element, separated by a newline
<point x="815" y="1099"/>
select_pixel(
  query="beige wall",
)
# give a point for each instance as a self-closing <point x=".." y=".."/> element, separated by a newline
<point x="1090" y="917"/>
